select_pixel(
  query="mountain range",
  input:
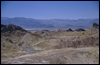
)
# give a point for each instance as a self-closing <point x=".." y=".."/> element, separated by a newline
<point x="49" y="23"/>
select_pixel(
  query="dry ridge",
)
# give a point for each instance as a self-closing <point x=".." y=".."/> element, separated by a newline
<point x="49" y="47"/>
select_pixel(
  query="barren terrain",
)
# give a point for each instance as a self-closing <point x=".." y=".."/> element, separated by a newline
<point x="50" y="47"/>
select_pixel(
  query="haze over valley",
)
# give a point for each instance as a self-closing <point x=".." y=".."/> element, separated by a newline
<point x="49" y="24"/>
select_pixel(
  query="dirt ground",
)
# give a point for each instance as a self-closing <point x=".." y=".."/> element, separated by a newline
<point x="86" y="55"/>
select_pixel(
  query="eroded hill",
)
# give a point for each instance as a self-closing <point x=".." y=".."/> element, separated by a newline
<point x="50" y="47"/>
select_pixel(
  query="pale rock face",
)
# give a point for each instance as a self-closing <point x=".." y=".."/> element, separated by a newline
<point x="98" y="52"/>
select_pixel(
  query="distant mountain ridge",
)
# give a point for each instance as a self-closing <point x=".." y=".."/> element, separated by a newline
<point x="25" y="22"/>
<point x="49" y="23"/>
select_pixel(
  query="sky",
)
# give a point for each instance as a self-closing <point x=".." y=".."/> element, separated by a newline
<point x="50" y="9"/>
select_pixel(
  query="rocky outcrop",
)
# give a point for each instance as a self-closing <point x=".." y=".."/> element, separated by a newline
<point x="61" y="30"/>
<point x="95" y="25"/>
<point x="79" y="29"/>
<point x="69" y="30"/>
<point x="9" y="28"/>
<point x="95" y="28"/>
<point x="44" y="31"/>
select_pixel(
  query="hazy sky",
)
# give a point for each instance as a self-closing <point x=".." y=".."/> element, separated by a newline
<point x="50" y="9"/>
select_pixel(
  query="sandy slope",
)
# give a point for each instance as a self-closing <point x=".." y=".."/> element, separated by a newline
<point x="88" y="55"/>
